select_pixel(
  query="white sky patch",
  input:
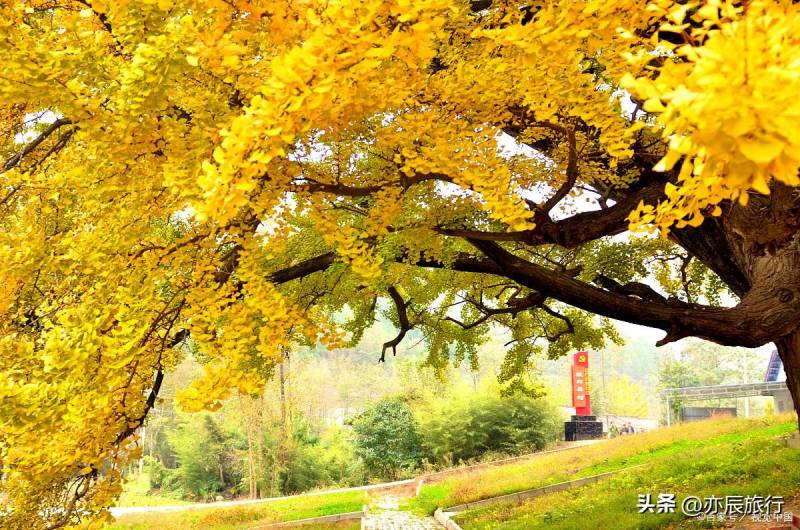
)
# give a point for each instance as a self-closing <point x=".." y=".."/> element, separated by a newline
<point x="582" y="201"/>
<point x="30" y="121"/>
<point x="626" y="102"/>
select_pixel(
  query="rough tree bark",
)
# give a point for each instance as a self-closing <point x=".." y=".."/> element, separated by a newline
<point x="765" y="242"/>
<point x="789" y="350"/>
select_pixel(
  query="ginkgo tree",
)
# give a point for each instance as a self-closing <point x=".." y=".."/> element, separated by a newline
<point x="227" y="179"/>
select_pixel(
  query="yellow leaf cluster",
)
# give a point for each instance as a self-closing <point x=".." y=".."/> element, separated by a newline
<point x="727" y="107"/>
<point x="162" y="159"/>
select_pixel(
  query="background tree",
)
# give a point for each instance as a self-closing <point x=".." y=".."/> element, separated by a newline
<point x="228" y="179"/>
<point x="703" y="364"/>
<point x="387" y="438"/>
<point x="460" y="416"/>
<point x="467" y="427"/>
<point x="204" y="454"/>
<point x="627" y="398"/>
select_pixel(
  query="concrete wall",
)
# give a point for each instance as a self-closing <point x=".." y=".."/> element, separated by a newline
<point x="783" y="401"/>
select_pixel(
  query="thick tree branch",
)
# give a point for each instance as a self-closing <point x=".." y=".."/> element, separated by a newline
<point x="743" y="325"/>
<point x="16" y="159"/>
<point x="762" y="315"/>
<point x="637" y="289"/>
<point x="303" y="268"/>
<point x="364" y="191"/>
<point x="574" y="230"/>
<point x="462" y="262"/>
<point x="480" y="5"/>
<point x="402" y="317"/>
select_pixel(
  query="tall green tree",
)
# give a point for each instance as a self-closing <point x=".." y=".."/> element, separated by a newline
<point x="206" y="457"/>
<point x="387" y="439"/>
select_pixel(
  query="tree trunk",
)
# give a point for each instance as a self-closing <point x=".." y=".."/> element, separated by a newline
<point x="282" y="379"/>
<point x="789" y="350"/>
<point x="755" y="249"/>
<point x="250" y="458"/>
<point x="282" y="450"/>
<point x="764" y="241"/>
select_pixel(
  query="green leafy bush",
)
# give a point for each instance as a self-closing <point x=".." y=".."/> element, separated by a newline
<point x="470" y="427"/>
<point x="387" y="439"/>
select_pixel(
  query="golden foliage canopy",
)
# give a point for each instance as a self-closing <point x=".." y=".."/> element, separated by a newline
<point x="223" y="178"/>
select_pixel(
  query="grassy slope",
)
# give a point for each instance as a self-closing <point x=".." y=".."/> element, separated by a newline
<point x="722" y="457"/>
<point x="621" y="452"/>
<point x="740" y="462"/>
<point x="235" y="517"/>
<point x="355" y="524"/>
<point x="137" y="493"/>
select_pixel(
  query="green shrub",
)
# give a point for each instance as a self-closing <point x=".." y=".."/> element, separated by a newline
<point x="387" y="439"/>
<point x="471" y="427"/>
<point x="156" y="472"/>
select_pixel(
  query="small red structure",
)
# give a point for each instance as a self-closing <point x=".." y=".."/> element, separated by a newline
<point x="580" y="384"/>
<point x="582" y="426"/>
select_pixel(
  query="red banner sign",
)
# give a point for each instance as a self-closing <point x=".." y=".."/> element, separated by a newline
<point x="580" y="384"/>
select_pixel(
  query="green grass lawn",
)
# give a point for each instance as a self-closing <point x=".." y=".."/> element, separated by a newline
<point x="666" y="444"/>
<point x="751" y="461"/>
<point x="237" y="517"/>
<point x="137" y="493"/>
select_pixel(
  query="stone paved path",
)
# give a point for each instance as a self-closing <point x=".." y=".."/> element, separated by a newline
<point x="398" y="521"/>
<point x="385" y="515"/>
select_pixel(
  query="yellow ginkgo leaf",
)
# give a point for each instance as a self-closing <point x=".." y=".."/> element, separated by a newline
<point x="761" y="150"/>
